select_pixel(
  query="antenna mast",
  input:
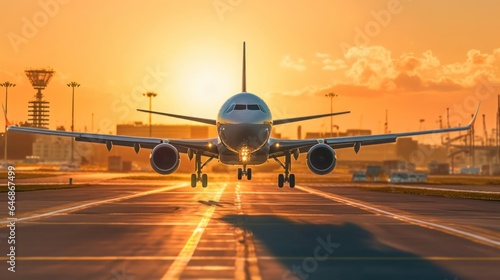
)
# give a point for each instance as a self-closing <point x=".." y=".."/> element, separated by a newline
<point x="386" y="124"/>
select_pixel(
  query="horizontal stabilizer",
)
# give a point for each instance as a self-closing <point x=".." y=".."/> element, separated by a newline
<point x="194" y="119"/>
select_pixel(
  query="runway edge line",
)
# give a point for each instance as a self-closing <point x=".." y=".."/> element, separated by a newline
<point x="370" y="208"/>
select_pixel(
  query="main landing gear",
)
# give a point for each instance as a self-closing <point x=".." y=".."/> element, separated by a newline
<point x="245" y="172"/>
<point x="287" y="177"/>
<point x="199" y="177"/>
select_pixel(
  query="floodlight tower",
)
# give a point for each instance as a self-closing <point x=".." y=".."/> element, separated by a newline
<point x="39" y="108"/>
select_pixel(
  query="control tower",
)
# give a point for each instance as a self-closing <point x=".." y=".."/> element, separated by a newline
<point x="39" y="108"/>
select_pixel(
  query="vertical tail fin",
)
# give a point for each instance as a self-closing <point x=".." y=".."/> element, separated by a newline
<point x="244" y="77"/>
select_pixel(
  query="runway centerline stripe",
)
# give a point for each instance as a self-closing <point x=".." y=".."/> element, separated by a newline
<point x="415" y="221"/>
<point x="93" y="203"/>
<point x="175" y="270"/>
<point x="246" y="266"/>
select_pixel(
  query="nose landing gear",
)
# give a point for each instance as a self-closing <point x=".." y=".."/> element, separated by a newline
<point x="245" y="172"/>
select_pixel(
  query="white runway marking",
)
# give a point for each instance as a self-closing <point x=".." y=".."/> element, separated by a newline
<point x="175" y="270"/>
<point x="90" y="204"/>
<point x="433" y="189"/>
<point x="368" y="207"/>
<point x="246" y="257"/>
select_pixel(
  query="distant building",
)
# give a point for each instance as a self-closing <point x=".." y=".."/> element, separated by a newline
<point x="405" y="149"/>
<point x="349" y="132"/>
<point x="19" y="145"/>
<point x="58" y="149"/>
<point x="167" y="131"/>
<point x="52" y="149"/>
<point x="357" y="132"/>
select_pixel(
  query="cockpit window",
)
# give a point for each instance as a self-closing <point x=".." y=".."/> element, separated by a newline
<point x="253" y="107"/>
<point x="240" y="107"/>
<point x="230" y="109"/>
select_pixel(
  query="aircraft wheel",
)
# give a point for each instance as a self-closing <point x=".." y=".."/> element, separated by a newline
<point x="240" y="173"/>
<point x="291" y="180"/>
<point x="193" y="180"/>
<point x="249" y="173"/>
<point x="281" y="180"/>
<point x="204" y="180"/>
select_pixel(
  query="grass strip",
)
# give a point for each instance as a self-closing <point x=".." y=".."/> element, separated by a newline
<point x="22" y="175"/>
<point x="463" y="180"/>
<point x="27" y="188"/>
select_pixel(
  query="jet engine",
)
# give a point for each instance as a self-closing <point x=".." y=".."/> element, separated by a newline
<point x="321" y="159"/>
<point x="164" y="159"/>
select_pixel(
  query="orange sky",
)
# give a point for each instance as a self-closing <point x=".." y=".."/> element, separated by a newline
<point x="413" y="58"/>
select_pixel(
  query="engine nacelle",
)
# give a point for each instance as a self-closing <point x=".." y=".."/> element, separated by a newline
<point x="164" y="159"/>
<point x="321" y="159"/>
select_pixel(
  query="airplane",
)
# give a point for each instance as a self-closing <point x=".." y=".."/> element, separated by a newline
<point x="244" y="125"/>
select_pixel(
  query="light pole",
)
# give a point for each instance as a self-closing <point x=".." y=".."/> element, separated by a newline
<point x="7" y="85"/>
<point x="421" y="122"/>
<point x="331" y="95"/>
<point x="338" y="128"/>
<point x="150" y="94"/>
<point x="73" y="85"/>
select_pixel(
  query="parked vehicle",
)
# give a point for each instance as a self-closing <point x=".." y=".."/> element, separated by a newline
<point x="398" y="177"/>
<point x="359" y="176"/>
<point x="421" y="177"/>
<point x="407" y="177"/>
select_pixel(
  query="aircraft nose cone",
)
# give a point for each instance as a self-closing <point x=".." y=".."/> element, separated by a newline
<point x="252" y="136"/>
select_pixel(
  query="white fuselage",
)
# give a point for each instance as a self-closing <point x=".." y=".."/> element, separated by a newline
<point x="244" y="126"/>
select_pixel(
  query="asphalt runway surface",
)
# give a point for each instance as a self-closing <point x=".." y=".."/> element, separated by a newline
<point x="124" y="229"/>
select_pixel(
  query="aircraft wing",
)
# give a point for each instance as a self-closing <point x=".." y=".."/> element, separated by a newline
<point x="281" y="147"/>
<point x="208" y="147"/>
<point x="189" y="118"/>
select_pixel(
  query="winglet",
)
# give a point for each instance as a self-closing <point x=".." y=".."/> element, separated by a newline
<point x="244" y="76"/>
<point x="471" y="123"/>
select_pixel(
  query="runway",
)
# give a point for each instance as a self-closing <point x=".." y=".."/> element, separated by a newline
<point x="126" y="229"/>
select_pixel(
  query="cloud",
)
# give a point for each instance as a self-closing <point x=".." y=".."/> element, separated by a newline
<point x="366" y="71"/>
<point x="496" y="52"/>
<point x="407" y="82"/>
<point x="376" y="68"/>
<point x="348" y="90"/>
<point x="307" y="90"/>
<point x="329" y="64"/>
<point x="297" y="64"/>
<point x="371" y="67"/>
<point x="477" y="64"/>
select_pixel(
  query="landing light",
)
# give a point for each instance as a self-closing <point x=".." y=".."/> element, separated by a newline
<point x="244" y="154"/>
